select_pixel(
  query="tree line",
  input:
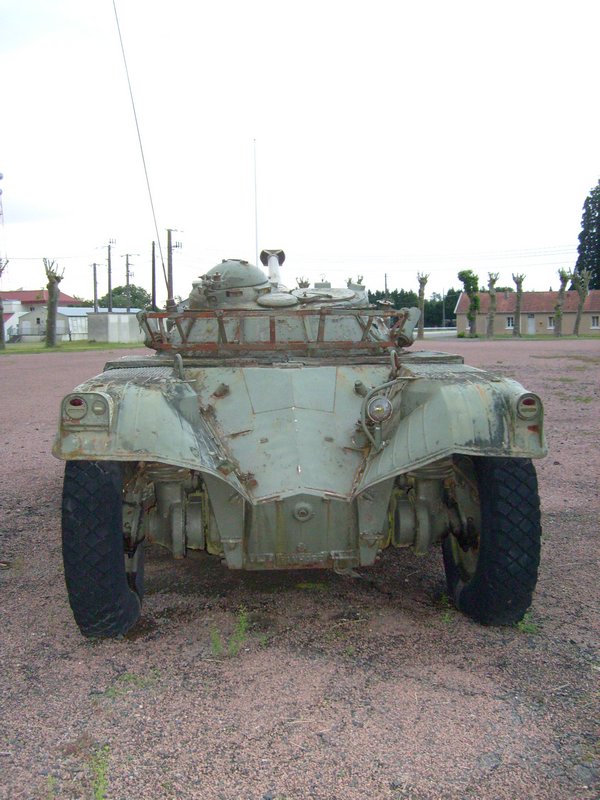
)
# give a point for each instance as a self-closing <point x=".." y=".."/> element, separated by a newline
<point x="435" y="312"/>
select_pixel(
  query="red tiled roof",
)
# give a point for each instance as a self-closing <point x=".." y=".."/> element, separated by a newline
<point x="38" y="296"/>
<point x="6" y="317"/>
<point x="531" y="302"/>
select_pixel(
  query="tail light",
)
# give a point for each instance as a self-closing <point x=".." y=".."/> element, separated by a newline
<point x="529" y="406"/>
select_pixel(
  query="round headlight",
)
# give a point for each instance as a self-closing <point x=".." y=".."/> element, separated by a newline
<point x="379" y="409"/>
<point x="99" y="407"/>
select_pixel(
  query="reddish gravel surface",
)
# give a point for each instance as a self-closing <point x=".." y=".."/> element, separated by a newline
<point x="342" y="688"/>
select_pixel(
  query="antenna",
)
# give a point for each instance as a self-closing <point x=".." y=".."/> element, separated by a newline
<point x="139" y="135"/>
<point x="255" y="208"/>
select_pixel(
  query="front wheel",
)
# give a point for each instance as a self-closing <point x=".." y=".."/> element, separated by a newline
<point x="105" y="598"/>
<point x="492" y="563"/>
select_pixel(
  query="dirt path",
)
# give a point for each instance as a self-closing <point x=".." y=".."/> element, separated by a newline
<point x="340" y="688"/>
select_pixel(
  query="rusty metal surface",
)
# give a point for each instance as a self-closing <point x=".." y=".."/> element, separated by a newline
<point x="178" y="332"/>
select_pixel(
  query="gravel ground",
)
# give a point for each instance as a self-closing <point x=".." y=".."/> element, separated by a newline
<point x="341" y="688"/>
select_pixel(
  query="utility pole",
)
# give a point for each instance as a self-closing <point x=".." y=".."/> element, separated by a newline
<point x="128" y="274"/>
<point x="385" y="284"/>
<point x="94" y="266"/>
<point x="443" y="308"/>
<point x="171" y="245"/>
<point x="153" y="276"/>
<point x="111" y="242"/>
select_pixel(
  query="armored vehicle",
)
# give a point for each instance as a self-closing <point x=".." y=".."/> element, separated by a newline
<point x="282" y="429"/>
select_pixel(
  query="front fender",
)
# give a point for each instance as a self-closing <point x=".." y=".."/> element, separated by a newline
<point x="476" y="415"/>
<point x="147" y="419"/>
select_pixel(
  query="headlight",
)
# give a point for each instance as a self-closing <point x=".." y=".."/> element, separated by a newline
<point x="379" y="409"/>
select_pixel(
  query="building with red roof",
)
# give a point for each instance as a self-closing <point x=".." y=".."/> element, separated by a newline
<point x="30" y="299"/>
<point x="538" y="312"/>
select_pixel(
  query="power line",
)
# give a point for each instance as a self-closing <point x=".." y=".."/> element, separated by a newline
<point x="137" y="127"/>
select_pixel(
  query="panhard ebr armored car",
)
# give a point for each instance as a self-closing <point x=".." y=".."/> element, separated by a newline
<point x="281" y="429"/>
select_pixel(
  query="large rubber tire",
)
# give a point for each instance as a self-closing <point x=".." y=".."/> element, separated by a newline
<point x="493" y="580"/>
<point x="101" y="595"/>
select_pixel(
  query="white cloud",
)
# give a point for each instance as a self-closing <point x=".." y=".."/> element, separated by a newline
<point x="392" y="138"/>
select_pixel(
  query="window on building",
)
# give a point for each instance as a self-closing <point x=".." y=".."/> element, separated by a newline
<point x="551" y="322"/>
<point x="596" y="321"/>
<point x="510" y="322"/>
<point x="38" y="321"/>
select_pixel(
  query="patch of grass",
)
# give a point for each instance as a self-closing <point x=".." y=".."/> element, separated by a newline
<point x="238" y="637"/>
<point x="24" y="348"/>
<point x="236" y="640"/>
<point x="527" y="625"/>
<point x="128" y="681"/>
<point x="312" y="586"/>
<point x="51" y="787"/>
<point x="575" y="398"/>
<point x="216" y="643"/>
<point x="99" y="767"/>
<point x="572" y="356"/>
<point x="448" y="611"/>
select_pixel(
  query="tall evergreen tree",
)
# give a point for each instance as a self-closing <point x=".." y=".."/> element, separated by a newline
<point x="589" y="238"/>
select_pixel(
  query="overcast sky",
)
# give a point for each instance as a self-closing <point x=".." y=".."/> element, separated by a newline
<point x="391" y="137"/>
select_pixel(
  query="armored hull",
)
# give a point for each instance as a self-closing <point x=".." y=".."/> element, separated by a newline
<point x="291" y="430"/>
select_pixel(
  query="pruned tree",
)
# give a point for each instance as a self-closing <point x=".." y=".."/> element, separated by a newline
<point x="54" y="276"/>
<point x="492" y="281"/>
<point x="564" y="276"/>
<point x="582" y="284"/>
<point x="589" y="239"/>
<point x="303" y="283"/>
<point x="422" y="278"/>
<point x="3" y="265"/>
<point x="470" y="283"/>
<point x="518" y="279"/>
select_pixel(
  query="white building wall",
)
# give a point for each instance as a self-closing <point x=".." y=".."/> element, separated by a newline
<point x="114" y="327"/>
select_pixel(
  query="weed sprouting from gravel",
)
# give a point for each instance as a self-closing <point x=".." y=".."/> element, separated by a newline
<point x="311" y="586"/>
<point x="527" y="625"/>
<point x="51" y="787"/>
<point x="238" y="636"/>
<point x="128" y="681"/>
<point x="99" y="767"/>
<point x="236" y="640"/>
<point x="216" y="643"/>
